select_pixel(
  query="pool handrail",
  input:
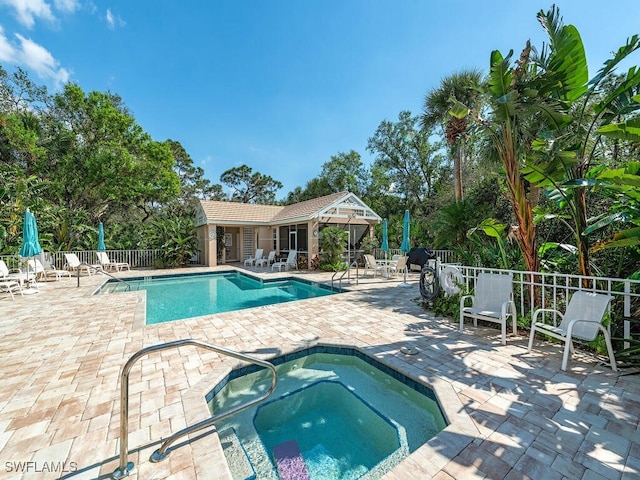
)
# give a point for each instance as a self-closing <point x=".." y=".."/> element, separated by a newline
<point x="104" y="272"/>
<point x="345" y="272"/>
<point x="125" y="467"/>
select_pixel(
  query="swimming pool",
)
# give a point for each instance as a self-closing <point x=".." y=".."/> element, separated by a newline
<point x="337" y="412"/>
<point x="176" y="297"/>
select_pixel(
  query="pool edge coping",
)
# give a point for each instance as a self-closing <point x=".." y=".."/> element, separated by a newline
<point x="438" y="451"/>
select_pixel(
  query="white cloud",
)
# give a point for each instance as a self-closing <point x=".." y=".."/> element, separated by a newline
<point x="33" y="56"/>
<point x="26" y="11"/>
<point x="67" y="6"/>
<point x="7" y="51"/>
<point x="113" y="21"/>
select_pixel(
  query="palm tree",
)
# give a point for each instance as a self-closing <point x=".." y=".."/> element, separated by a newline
<point x="463" y="87"/>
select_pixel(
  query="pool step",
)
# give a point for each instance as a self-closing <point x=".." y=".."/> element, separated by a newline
<point x="237" y="459"/>
<point x="289" y="461"/>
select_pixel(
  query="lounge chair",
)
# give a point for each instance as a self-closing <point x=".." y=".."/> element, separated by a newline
<point x="10" y="286"/>
<point x="40" y="270"/>
<point x="252" y="260"/>
<point x="74" y="264"/>
<point x="14" y="275"/>
<point x="271" y="258"/>
<point x="581" y="320"/>
<point x="290" y="262"/>
<point x="106" y="263"/>
<point x="492" y="302"/>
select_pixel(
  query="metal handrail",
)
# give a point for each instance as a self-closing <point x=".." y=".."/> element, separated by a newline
<point x="104" y="272"/>
<point x="163" y="452"/>
<point x="348" y="270"/>
<point x="78" y="270"/>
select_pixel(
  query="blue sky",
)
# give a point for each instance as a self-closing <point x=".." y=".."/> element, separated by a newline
<point x="279" y="85"/>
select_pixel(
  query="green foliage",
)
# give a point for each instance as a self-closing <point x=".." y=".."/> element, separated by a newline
<point x="249" y="187"/>
<point x="447" y="305"/>
<point x="177" y="239"/>
<point x="408" y="167"/>
<point x="333" y="242"/>
<point x="369" y="244"/>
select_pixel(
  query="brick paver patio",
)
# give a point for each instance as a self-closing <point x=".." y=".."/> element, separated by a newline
<point x="513" y="415"/>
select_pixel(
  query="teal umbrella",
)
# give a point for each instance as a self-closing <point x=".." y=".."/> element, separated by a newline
<point x="101" y="247"/>
<point x="30" y="246"/>
<point x="405" y="247"/>
<point x="385" y="238"/>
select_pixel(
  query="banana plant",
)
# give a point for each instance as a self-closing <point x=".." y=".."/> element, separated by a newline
<point x="492" y="228"/>
<point x="624" y="185"/>
<point x="578" y="113"/>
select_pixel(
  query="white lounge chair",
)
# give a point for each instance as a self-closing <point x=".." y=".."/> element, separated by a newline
<point x="10" y="286"/>
<point x="106" y="263"/>
<point x="290" y="262"/>
<point x="271" y="258"/>
<point x="581" y="320"/>
<point x="16" y="275"/>
<point x="492" y="301"/>
<point x="74" y="264"/>
<point x="40" y="270"/>
<point x="252" y="260"/>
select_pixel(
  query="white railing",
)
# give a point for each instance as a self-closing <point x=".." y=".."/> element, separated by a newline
<point x="135" y="258"/>
<point x="534" y="290"/>
<point x="445" y="256"/>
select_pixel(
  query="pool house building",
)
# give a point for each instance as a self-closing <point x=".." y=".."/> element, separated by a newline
<point x="230" y="232"/>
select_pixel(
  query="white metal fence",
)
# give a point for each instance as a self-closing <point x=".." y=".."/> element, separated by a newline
<point x="445" y="256"/>
<point x="534" y="290"/>
<point x="135" y="258"/>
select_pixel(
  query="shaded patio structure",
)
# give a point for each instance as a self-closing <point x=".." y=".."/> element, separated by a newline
<point x="230" y="232"/>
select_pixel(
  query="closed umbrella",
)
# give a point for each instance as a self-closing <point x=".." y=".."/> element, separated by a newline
<point x="405" y="247"/>
<point x="385" y="238"/>
<point x="101" y="246"/>
<point x="30" y="245"/>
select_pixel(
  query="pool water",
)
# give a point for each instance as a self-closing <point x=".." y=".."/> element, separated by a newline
<point x="350" y="416"/>
<point x="193" y="295"/>
<point x="339" y="435"/>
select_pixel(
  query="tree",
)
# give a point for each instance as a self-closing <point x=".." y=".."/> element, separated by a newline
<point x="407" y="164"/>
<point x="193" y="183"/>
<point x="250" y="187"/>
<point x="103" y="161"/>
<point x="463" y="87"/>
<point x="345" y="171"/>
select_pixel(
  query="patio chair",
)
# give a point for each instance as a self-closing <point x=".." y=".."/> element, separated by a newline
<point x="271" y="258"/>
<point x="492" y="301"/>
<point x="290" y="262"/>
<point x="371" y="264"/>
<point x="582" y="320"/>
<point x="252" y="260"/>
<point x="106" y="263"/>
<point x="74" y="264"/>
<point x="400" y="265"/>
<point x="42" y="271"/>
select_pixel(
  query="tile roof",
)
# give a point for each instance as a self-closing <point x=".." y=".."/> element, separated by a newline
<point x="308" y="208"/>
<point x="234" y="212"/>
<point x="247" y="213"/>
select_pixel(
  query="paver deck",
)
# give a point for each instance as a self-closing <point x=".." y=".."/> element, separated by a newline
<point x="515" y="415"/>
